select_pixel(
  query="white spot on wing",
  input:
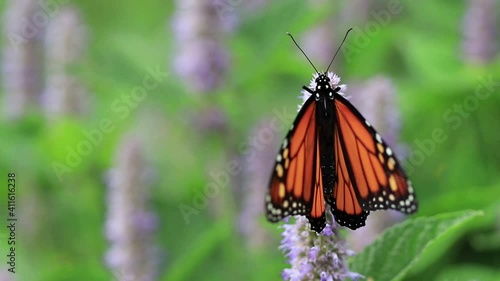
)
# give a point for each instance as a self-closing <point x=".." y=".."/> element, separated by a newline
<point x="410" y="187"/>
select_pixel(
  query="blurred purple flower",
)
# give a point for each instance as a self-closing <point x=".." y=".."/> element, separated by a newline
<point x="256" y="164"/>
<point x="376" y="99"/>
<point x="210" y="120"/>
<point x="201" y="59"/>
<point x="5" y="275"/>
<point x="480" y="29"/>
<point x="319" y="42"/>
<point x="356" y="12"/>
<point x="20" y="63"/>
<point x="130" y="226"/>
<point x="65" y="45"/>
<point x="314" y="256"/>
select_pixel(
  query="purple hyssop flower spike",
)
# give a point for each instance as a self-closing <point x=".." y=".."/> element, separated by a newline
<point x="130" y="225"/>
<point x="21" y="64"/>
<point x="201" y="58"/>
<point x="480" y="31"/>
<point x="65" y="47"/>
<point x="314" y="256"/>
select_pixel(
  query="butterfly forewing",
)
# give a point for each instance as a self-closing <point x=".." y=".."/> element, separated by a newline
<point x="295" y="187"/>
<point x="379" y="180"/>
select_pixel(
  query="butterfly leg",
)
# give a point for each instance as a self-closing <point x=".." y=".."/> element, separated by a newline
<point x="308" y="90"/>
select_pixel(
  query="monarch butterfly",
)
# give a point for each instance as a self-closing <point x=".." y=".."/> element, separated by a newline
<point x="332" y="154"/>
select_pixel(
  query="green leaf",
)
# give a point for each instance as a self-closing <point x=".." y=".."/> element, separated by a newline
<point x="468" y="272"/>
<point x="392" y="255"/>
<point x="200" y="251"/>
<point x="460" y="199"/>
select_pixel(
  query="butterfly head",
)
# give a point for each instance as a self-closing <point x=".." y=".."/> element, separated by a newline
<point x="323" y="87"/>
<point x="322" y="79"/>
<point x="324" y="84"/>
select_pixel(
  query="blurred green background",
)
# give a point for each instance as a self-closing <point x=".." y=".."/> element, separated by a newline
<point x="166" y="172"/>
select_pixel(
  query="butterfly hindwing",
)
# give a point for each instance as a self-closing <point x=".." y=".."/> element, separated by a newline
<point x="295" y="187"/>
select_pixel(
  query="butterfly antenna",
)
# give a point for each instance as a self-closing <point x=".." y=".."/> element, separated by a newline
<point x="288" y="33"/>
<point x="338" y="49"/>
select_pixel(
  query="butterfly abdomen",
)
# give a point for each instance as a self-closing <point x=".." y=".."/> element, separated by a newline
<point x="325" y="122"/>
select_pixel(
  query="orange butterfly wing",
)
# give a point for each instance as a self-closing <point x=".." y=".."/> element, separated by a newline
<point x="369" y="177"/>
<point x="346" y="208"/>
<point x="296" y="187"/>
